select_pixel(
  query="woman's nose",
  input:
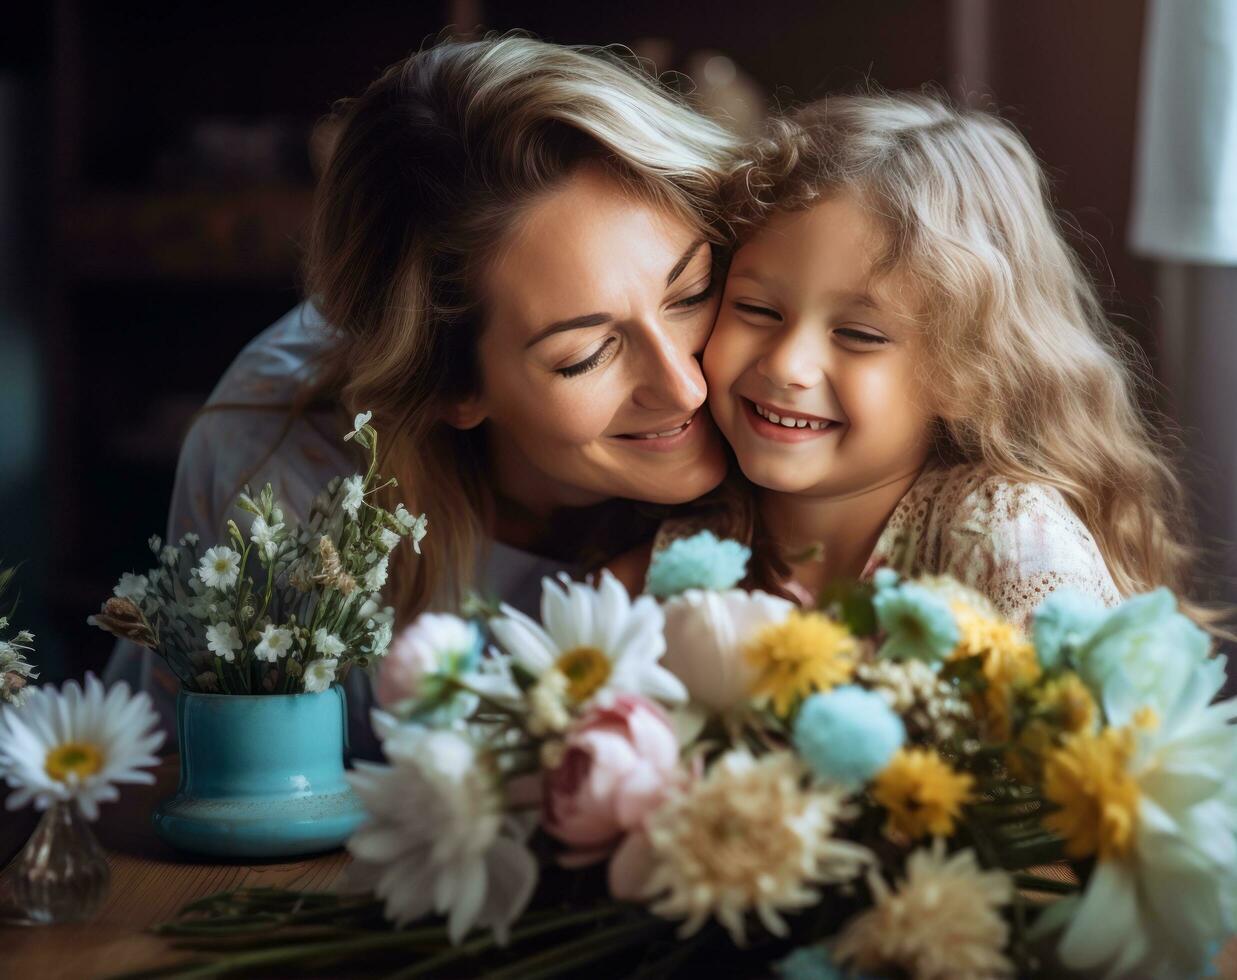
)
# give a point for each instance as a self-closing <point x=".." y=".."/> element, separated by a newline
<point x="671" y="378"/>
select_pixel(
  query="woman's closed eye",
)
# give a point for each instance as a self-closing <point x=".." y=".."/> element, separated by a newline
<point x="696" y="298"/>
<point x="596" y="359"/>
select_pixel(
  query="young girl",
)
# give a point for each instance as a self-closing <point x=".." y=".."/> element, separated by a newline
<point x="913" y="369"/>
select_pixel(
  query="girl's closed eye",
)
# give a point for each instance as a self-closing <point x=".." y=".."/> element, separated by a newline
<point x="861" y="337"/>
<point x="755" y="309"/>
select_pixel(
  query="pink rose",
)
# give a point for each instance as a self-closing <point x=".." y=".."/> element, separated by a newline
<point x="619" y="760"/>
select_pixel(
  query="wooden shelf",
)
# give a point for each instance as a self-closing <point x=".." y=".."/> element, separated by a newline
<point x="249" y="234"/>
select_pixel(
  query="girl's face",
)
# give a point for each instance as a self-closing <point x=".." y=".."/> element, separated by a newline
<point x="598" y="309"/>
<point x="811" y="365"/>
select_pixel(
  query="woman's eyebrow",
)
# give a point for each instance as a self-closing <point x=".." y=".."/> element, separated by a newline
<point x="597" y="319"/>
<point x="686" y="257"/>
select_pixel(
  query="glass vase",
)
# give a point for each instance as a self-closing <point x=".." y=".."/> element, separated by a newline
<point x="62" y="874"/>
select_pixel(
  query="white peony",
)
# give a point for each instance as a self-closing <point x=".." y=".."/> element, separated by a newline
<point x="706" y="633"/>
<point x="596" y="636"/>
<point x="77" y="743"/>
<point x="437" y="840"/>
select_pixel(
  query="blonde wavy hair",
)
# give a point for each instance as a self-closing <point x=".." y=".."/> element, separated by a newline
<point x="432" y="166"/>
<point x="1034" y="381"/>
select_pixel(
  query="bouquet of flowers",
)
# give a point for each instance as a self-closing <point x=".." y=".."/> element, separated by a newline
<point x="873" y="788"/>
<point x="15" y="671"/>
<point x="277" y="608"/>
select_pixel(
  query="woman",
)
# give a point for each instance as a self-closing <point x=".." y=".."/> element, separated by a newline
<point x="513" y="266"/>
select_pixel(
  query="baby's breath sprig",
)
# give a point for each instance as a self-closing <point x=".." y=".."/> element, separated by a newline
<point x="280" y="607"/>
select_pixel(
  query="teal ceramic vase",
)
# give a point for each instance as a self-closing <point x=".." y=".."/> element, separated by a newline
<point x="261" y="776"/>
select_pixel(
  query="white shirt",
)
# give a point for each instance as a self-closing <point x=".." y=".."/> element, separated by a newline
<point x="220" y="455"/>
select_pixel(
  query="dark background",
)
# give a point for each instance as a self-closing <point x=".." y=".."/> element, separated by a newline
<point x="155" y="175"/>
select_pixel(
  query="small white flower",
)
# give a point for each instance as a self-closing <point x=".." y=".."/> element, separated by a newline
<point x="224" y="640"/>
<point x="419" y="528"/>
<point x="220" y="567"/>
<point x="190" y="539"/>
<point x="547" y="705"/>
<point x="354" y="495"/>
<point x="416" y="525"/>
<point x="319" y="674"/>
<point x="155" y="543"/>
<point x="388" y="538"/>
<point x="275" y="643"/>
<point x="265" y="536"/>
<point x="376" y="577"/>
<point x="359" y="423"/>
<point x="381" y="639"/>
<point x="327" y="643"/>
<point x="170" y="554"/>
<point x="132" y="587"/>
<point x="77" y="744"/>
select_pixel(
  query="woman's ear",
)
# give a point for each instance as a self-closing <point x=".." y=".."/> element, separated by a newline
<point x="465" y="413"/>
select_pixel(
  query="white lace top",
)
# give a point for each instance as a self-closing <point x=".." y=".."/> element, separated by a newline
<point x="1013" y="542"/>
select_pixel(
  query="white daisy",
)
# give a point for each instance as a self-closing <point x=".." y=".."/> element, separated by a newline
<point x="220" y="567"/>
<point x="224" y="640"/>
<point x="74" y="744"/>
<point x="327" y="643"/>
<point x="416" y="525"/>
<point x="319" y="674"/>
<point x="131" y="587"/>
<point x="274" y="643"/>
<point x="601" y="640"/>
<point x="354" y="494"/>
<point x="437" y="840"/>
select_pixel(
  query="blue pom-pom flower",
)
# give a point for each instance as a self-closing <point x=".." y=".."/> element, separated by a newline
<point x="703" y="561"/>
<point x="918" y="623"/>
<point x="848" y="735"/>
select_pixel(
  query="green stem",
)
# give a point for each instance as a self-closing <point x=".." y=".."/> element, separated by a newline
<point x="559" y="959"/>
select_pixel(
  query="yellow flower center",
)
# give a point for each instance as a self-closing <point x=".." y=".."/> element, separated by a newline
<point x="222" y="565"/>
<point x="1089" y="779"/>
<point x="586" y="670"/>
<point x="922" y="793"/>
<point x="73" y="758"/>
<point x="808" y="652"/>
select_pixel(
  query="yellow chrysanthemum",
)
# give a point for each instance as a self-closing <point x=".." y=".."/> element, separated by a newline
<point x="922" y="792"/>
<point x="1066" y="707"/>
<point x="1088" y="778"/>
<point x="806" y="652"/>
<point x="1008" y="662"/>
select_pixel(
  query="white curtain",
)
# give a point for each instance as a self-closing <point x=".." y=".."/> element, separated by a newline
<point x="1185" y="217"/>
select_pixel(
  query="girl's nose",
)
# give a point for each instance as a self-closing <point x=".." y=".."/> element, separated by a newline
<point x="795" y="360"/>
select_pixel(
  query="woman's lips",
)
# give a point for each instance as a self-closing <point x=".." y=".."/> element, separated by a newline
<point x="777" y="432"/>
<point x="668" y="440"/>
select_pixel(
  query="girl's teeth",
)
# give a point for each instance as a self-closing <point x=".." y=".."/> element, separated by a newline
<point x="787" y="422"/>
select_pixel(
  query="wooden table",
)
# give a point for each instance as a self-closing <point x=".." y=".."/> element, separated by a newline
<point x="150" y="883"/>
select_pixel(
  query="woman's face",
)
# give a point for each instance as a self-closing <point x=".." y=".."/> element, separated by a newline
<point x="598" y="308"/>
